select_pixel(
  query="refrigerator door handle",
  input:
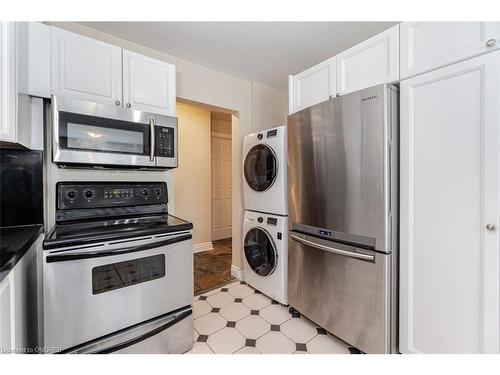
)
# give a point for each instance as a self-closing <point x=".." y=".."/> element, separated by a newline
<point x="306" y="240"/>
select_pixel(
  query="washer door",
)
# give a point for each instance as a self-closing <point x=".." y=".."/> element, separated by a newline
<point x="260" y="251"/>
<point x="261" y="167"/>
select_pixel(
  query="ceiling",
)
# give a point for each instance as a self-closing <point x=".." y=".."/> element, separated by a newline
<point x="265" y="52"/>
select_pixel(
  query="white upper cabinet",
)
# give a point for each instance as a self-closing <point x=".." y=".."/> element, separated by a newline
<point x="8" y="92"/>
<point x="86" y="68"/>
<point x="312" y="86"/>
<point x="369" y="63"/>
<point x="33" y="59"/>
<point x="449" y="209"/>
<point x="148" y="84"/>
<point x="430" y="45"/>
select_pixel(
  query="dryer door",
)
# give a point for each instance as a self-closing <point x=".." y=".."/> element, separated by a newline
<point x="260" y="251"/>
<point x="261" y="167"/>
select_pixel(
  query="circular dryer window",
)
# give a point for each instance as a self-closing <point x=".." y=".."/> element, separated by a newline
<point x="260" y="251"/>
<point x="260" y="167"/>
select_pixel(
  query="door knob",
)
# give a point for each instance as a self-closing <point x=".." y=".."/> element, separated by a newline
<point x="128" y="105"/>
<point x="491" y="226"/>
<point x="491" y="43"/>
<point x="117" y="102"/>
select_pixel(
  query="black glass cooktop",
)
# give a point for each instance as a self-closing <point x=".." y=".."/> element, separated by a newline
<point x="71" y="234"/>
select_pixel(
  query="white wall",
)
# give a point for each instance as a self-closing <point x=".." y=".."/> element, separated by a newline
<point x="200" y="84"/>
<point x="269" y="107"/>
<point x="192" y="179"/>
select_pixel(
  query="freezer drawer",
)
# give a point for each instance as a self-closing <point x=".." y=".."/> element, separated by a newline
<point x="169" y="334"/>
<point x="342" y="288"/>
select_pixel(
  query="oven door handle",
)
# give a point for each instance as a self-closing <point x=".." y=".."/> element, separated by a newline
<point x="99" y="254"/>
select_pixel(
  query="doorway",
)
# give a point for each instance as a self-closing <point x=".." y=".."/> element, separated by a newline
<point x="203" y="190"/>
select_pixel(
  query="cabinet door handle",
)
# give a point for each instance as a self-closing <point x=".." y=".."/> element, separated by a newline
<point x="128" y="105"/>
<point x="117" y="102"/>
<point x="491" y="227"/>
<point x="491" y="43"/>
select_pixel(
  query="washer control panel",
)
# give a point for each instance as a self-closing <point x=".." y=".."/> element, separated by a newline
<point x="76" y="195"/>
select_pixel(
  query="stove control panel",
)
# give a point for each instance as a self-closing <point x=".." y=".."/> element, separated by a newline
<point x="77" y="195"/>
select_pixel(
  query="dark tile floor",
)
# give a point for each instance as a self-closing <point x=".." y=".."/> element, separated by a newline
<point x="213" y="268"/>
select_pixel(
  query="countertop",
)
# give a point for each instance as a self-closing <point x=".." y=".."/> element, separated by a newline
<point x="14" y="242"/>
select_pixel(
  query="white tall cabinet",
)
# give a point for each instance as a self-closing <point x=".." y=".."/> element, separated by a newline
<point x="449" y="201"/>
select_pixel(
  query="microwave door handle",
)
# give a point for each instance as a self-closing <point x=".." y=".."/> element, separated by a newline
<point x="63" y="257"/>
<point x="152" y="139"/>
<point x="306" y="240"/>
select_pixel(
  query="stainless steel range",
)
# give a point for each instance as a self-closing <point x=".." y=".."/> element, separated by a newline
<point x="118" y="271"/>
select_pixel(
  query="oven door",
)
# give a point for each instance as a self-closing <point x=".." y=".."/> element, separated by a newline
<point x="97" y="290"/>
<point x="95" y="134"/>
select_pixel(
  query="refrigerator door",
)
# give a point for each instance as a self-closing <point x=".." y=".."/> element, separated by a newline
<point x="339" y="170"/>
<point x="344" y="289"/>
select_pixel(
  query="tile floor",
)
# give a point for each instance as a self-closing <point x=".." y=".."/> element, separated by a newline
<point x="239" y="319"/>
<point x="213" y="268"/>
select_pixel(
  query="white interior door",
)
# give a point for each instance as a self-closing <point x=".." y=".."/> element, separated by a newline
<point x="221" y="187"/>
<point x="449" y="281"/>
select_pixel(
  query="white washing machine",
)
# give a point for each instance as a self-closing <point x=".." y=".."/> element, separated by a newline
<point x="265" y="250"/>
<point x="265" y="171"/>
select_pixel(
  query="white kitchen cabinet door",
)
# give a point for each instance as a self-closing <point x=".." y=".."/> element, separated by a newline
<point x="148" y="84"/>
<point x="33" y="59"/>
<point x="369" y="63"/>
<point x="312" y="86"/>
<point x="5" y="316"/>
<point x="8" y="92"/>
<point x="85" y="68"/>
<point x="449" y="195"/>
<point x="430" y="45"/>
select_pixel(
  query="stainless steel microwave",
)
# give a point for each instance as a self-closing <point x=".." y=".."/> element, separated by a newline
<point x="92" y="134"/>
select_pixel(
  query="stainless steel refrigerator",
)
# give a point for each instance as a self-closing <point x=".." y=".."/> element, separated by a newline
<point x="343" y="205"/>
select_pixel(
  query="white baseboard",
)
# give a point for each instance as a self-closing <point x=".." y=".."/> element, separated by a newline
<point x="237" y="273"/>
<point x="204" y="246"/>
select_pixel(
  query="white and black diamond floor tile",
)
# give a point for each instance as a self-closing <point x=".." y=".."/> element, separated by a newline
<point x="238" y="319"/>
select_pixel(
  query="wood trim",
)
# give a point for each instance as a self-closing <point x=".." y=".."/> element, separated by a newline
<point x="221" y="135"/>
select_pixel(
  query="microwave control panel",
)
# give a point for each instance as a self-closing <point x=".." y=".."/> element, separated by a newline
<point x="72" y="196"/>
<point x="164" y="141"/>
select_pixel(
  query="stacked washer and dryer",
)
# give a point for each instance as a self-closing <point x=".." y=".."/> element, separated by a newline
<point x="265" y="222"/>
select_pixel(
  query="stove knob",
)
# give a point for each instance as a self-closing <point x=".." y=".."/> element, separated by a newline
<point x="157" y="191"/>
<point x="71" y="194"/>
<point x="145" y="192"/>
<point x="88" y="194"/>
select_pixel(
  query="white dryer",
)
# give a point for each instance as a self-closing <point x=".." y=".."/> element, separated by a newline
<point x="265" y="171"/>
<point x="265" y="250"/>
